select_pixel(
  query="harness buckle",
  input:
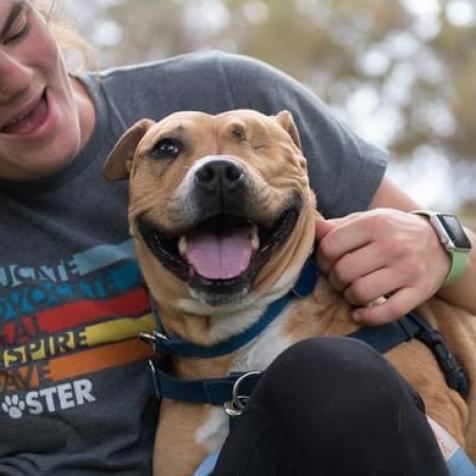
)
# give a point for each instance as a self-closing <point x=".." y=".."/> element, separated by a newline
<point x="155" y="379"/>
<point x="151" y="339"/>
<point x="236" y="405"/>
<point x="148" y="338"/>
<point x="454" y="374"/>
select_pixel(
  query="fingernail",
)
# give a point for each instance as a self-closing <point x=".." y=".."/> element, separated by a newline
<point x="357" y="316"/>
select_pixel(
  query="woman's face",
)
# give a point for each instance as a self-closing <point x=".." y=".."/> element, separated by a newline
<point x="45" y="117"/>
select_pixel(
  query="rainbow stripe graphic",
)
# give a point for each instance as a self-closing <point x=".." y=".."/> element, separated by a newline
<point x="86" y="325"/>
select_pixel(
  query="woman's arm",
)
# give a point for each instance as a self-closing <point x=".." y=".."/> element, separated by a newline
<point x="463" y="292"/>
<point x="386" y="251"/>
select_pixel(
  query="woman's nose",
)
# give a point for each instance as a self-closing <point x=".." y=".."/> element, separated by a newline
<point x="15" y="77"/>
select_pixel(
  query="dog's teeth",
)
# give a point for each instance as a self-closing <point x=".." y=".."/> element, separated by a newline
<point x="182" y="245"/>
<point x="254" y="239"/>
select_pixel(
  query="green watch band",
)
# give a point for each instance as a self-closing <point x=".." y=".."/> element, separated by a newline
<point x="460" y="260"/>
<point x="453" y="238"/>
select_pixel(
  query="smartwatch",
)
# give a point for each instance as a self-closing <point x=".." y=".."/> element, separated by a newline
<point x="453" y="238"/>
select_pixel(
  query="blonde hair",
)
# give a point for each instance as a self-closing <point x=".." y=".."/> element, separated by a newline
<point x="77" y="52"/>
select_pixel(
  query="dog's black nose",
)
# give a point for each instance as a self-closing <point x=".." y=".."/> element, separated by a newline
<point x="219" y="176"/>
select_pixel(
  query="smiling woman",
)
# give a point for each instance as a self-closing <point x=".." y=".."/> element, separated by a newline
<point x="72" y="299"/>
<point x="45" y="115"/>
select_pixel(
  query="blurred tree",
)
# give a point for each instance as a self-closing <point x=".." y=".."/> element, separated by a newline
<point x="400" y="72"/>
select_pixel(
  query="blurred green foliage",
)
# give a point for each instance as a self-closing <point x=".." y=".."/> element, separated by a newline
<point x="401" y="72"/>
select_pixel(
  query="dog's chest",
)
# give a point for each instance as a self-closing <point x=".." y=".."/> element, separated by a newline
<point x="258" y="355"/>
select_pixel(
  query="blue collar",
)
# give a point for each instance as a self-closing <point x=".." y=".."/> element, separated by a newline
<point x="175" y="345"/>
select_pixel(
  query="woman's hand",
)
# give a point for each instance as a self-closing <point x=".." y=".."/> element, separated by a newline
<point x="382" y="252"/>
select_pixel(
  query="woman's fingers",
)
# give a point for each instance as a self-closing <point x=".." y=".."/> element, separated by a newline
<point x="356" y="264"/>
<point x="382" y="252"/>
<point x="389" y="309"/>
<point x="368" y="288"/>
<point x="338" y="237"/>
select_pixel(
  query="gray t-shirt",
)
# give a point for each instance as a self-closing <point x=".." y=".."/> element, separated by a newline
<point x="73" y="376"/>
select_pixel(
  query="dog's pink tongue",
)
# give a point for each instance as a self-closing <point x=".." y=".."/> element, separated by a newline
<point x="223" y="256"/>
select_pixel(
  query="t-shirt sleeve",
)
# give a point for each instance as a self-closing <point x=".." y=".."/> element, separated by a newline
<point x="345" y="171"/>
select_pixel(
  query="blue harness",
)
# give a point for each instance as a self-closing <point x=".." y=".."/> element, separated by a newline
<point x="231" y="391"/>
<point x="218" y="391"/>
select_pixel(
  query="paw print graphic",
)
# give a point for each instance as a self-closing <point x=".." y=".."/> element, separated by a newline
<point x="13" y="406"/>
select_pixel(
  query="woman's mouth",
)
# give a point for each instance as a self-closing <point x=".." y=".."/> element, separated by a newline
<point x="29" y="121"/>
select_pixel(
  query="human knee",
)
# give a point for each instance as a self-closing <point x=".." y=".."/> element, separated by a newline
<point x="328" y="368"/>
<point x="325" y="355"/>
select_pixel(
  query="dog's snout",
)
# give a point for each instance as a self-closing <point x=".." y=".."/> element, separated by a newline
<point x="219" y="175"/>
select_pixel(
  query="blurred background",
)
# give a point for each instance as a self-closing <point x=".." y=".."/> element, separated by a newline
<point x="401" y="73"/>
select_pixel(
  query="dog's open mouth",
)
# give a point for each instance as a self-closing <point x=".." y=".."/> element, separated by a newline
<point x="221" y="248"/>
<point x="221" y="256"/>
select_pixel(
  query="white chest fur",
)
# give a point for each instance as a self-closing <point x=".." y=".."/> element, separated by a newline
<point x="255" y="356"/>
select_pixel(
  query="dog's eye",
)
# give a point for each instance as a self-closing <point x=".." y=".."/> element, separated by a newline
<point x="238" y="132"/>
<point x="167" y="148"/>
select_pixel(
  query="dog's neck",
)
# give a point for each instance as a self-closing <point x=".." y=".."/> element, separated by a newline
<point x="207" y="325"/>
<point x="303" y="287"/>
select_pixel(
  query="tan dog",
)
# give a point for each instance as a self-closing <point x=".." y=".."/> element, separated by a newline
<point x="223" y="219"/>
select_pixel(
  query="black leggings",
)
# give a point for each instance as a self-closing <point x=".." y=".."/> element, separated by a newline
<point x="333" y="407"/>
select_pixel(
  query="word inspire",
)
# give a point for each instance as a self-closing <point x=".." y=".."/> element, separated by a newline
<point x="50" y="399"/>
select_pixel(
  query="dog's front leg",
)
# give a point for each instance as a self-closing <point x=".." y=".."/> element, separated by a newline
<point x="184" y="437"/>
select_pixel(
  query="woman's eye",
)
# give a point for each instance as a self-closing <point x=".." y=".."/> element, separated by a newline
<point x="167" y="148"/>
<point x="17" y="32"/>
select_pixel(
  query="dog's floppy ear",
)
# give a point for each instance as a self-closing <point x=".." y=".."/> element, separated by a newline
<point x="286" y="120"/>
<point x="119" y="162"/>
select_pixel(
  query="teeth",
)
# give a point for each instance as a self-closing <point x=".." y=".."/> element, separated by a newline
<point x="22" y="116"/>
<point x="182" y="245"/>
<point x="254" y="239"/>
<point x="17" y="119"/>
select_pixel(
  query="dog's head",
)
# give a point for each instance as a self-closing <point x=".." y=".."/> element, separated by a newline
<point x="220" y="206"/>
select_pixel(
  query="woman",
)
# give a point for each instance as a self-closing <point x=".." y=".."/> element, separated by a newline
<point x="73" y="388"/>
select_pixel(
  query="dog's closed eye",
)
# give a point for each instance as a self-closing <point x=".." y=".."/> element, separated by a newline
<point x="259" y="146"/>
<point x="167" y="148"/>
<point x="238" y="132"/>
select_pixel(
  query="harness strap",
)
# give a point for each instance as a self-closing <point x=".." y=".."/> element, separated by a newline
<point x="386" y="337"/>
<point x="218" y="391"/>
<point x="169" y="344"/>
<point x="382" y="338"/>
<point x="212" y="391"/>
<point x="454" y="373"/>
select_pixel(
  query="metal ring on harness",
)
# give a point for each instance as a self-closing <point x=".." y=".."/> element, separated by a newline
<point x="236" y="405"/>
<point x="152" y="339"/>
<point x="145" y="336"/>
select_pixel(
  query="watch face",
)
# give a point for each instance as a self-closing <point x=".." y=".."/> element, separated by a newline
<point x="455" y="231"/>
